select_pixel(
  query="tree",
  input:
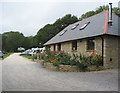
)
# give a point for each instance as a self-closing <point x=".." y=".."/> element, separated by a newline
<point x="116" y="10"/>
<point x="50" y="30"/>
<point x="29" y="42"/>
<point x="101" y="8"/>
<point x="88" y="14"/>
<point x="12" y="40"/>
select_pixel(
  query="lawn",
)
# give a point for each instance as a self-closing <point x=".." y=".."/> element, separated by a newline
<point x="6" y="55"/>
<point x="27" y="56"/>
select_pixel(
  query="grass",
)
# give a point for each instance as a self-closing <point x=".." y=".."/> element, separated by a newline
<point x="27" y="56"/>
<point x="6" y="55"/>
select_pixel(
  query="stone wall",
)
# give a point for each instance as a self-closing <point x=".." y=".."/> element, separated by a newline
<point x="119" y="53"/>
<point x="111" y="49"/>
<point x="50" y="66"/>
<point x="61" y="68"/>
<point x="68" y="68"/>
<point x="52" y="48"/>
<point x="66" y="47"/>
<point x="81" y="47"/>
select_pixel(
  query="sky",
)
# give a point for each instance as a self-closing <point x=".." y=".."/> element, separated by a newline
<point x="28" y="17"/>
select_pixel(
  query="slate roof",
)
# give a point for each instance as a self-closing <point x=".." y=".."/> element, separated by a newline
<point x="98" y="25"/>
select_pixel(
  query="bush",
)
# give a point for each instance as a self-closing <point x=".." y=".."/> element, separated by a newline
<point x="64" y="59"/>
<point x="56" y="64"/>
<point x="81" y="61"/>
<point x="96" y="60"/>
<point x="34" y="57"/>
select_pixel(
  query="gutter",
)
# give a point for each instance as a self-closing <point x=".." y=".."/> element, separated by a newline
<point x="102" y="50"/>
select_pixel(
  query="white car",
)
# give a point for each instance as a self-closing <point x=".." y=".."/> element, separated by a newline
<point x="1" y="54"/>
<point x="32" y="52"/>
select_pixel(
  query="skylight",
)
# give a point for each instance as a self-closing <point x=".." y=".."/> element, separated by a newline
<point x="84" y="25"/>
<point x="74" y="26"/>
<point x="62" y="32"/>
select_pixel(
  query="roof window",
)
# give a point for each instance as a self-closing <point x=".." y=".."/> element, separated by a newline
<point x="74" y="26"/>
<point x="63" y="32"/>
<point x="84" y="25"/>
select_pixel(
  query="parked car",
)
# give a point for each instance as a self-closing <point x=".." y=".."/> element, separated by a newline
<point x="25" y="53"/>
<point x="21" y="49"/>
<point x="42" y="50"/>
<point x="32" y="52"/>
<point x="4" y="52"/>
<point x="1" y="54"/>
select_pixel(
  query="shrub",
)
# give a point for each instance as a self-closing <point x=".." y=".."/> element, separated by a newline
<point x="34" y="57"/>
<point x="81" y="61"/>
<point x="96" y="60"/>
<point x="56" y="64"/>
<point x="65" y="59"/>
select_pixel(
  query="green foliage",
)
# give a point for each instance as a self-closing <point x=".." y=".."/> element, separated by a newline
<point x="86" y="15"/>
<point x="96" y="60"/>
<point x="50" y="30"/>
<point x="6" y="55"/>
<point x="27" y="56"/>
<point x="82" y="61"/>
<point x="29" y="42"/>
<point x="56" y="64"/>
<point x="34" y="57"/>
<point x="101" y="8"/>
<point x="12" y="40"/>
<point x="116" y="10"/>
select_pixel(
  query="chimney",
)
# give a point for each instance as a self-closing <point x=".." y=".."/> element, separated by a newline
<point x="110" y="14"/>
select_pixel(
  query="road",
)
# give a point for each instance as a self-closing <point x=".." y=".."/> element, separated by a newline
<point x="21" y="74"/>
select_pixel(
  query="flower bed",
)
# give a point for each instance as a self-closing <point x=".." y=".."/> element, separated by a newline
<point x="64" y="62"/>
<point x="70" y="68"/>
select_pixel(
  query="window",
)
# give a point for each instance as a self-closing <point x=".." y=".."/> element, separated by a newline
<point x="74" y="45"/>
<point x="74" y="26"/>
<point x="59" y="47"/>
<point x="90" y="44"/>
<point x="48" y="47"/>
<point x="63" y="32"/>
<point x="84" y="25"/>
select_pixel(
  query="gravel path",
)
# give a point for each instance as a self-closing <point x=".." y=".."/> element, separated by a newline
<point x="21" y="74"/>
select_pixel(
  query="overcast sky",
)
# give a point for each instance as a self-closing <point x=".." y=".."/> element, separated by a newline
<point x="29" y="17"/>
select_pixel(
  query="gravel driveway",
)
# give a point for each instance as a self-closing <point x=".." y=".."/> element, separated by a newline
<point x="0" y="75"/>
<point x="21" y="74"/>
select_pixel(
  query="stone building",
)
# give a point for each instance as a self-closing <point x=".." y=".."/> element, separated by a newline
<point x="99" y="34"/>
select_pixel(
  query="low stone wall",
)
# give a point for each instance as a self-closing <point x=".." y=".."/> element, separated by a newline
<point x="36" y="60"/>
<point x="94" y="68"/>
<point x="50" y="66"/>
<point x="67" y="68"/>
<point x="61" y="68"/>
